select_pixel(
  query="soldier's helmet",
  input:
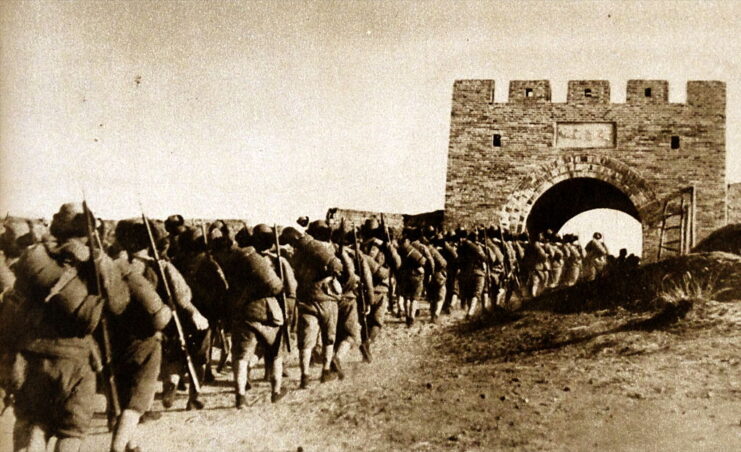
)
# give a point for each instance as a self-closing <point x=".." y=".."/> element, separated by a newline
<point x="12" y="238"/>
<point x="69" y="221"/>
<point x="371" y="228"/>
<point x="342" y="233"/>
<point x="429" y="232"/>
<point x="289" y="236"/>
<point x="262" y="237"/>
<point x="303" y="221"/>
<point x="460" y="232"/>
<point x="243" y="237"/>
<point x="175" y="224"/>
<point x="597" y="235"/>
<point x="192" y="240"/>
<point x="132" y="235"/>
<point x="320" y="230"/>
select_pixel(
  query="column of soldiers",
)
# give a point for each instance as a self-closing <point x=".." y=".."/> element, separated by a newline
<point x="151" y="302"/>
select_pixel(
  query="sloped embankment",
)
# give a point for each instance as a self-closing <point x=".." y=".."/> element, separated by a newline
<point x="726" y="239"/>
<point x="712" y="275"/>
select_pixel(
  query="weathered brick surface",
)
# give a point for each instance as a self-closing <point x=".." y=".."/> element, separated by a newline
<point x="358" y="217"/>
<point x="487" y="183"/>
<point x="734" y="203"/>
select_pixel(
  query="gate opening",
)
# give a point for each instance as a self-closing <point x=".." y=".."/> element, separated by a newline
<point x="583" y="206"/>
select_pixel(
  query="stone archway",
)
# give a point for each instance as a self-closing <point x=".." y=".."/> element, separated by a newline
<point x="517" y="208"/>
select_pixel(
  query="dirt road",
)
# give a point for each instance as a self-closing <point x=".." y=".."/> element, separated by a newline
<point x="538" y="382"/>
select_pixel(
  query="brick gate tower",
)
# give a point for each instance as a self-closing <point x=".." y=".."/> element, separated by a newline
<point x="532" y="164"/>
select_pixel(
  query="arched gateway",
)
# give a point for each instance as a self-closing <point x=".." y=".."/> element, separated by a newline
<point x="570" y="185"/>
<point x="531" y="164"/>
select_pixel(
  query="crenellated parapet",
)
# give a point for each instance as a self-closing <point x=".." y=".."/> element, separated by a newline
<point x="638" y="92"/>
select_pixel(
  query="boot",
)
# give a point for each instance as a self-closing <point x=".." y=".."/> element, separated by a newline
<point x="150" y="416"/>
<point x="194" y="402"/>
<point x="327" y="375"/>
<point x="365" y="351"/>
<point x="209" y="377"/>
<point x="240" y="402"/>
<point x="277" y="396"/>
<point x="169" y="391"/>
<point x="304" y="382"/>
<point x="337" y="367"/>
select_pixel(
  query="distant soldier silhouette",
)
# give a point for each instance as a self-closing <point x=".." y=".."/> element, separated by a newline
<point x="596" y="259"/>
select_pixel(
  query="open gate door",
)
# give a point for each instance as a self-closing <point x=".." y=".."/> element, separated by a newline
<point x="677" y="231"/>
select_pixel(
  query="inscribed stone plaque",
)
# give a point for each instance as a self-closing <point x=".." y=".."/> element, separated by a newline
<point x="585" y="134"/>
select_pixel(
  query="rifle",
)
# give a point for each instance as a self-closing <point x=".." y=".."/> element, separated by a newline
<point x="487" y="269"/>
<point x="362" y="302"/>
<point x="225" y="349"/>
<point x="171" y="303"/>
<point x="392" y="278"/>
<point x="282" y="295"/>
<point x="114" y="408"/>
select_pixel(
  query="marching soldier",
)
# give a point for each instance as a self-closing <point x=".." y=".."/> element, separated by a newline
<point x="436" y="288"/>
<point x="536" y="264"/>
<point x="208" y="286"/>
<point x="317" y="270"/>
<point x="450" y="253"/>
<point x="573" y="255"/>
<point x="353" y="279"/>
<point x="173" y="357"/>
<point x="136" y="333"/>
<point x="253" y="309"/>
<point x="51" y="333"/>
<point x="472" y="273"/>
<point x="411" y="274"/>
<point x="175" y="227"/>
<point x="596" y="258"/>
<point x="383" y="258"/>
<point x="556" y="254"/>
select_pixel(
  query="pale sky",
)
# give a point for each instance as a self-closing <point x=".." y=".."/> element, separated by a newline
<point x="270" y="110"/>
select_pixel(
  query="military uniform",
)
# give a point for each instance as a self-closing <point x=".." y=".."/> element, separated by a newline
<point x="56" y="316"/>
<point x="379" y="266"/>
<point x="573" y="255"/>
<point x="317" y="270"/>
<point x="437" y="288"/>
<point x="256" y="316"/>
<point x="208" y="285"/>
<point x="557" y="262"/>
<point x="596" y="257"/>
<point x="356" y="276"/>
<point x="472" y="274"/>
<point x="536" y="258"/>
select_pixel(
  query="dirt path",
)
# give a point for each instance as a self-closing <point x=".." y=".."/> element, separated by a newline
<point x="512" y="386"/>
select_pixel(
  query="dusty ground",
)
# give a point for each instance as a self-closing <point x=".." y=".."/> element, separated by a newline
<point x="540" y="381"/>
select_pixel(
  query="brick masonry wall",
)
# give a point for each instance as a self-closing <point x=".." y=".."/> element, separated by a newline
<point x="487" y="183"/>
<point x="734" y="203"/>
<point x="358" y="217"/>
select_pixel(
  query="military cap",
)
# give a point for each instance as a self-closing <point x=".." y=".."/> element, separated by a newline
<point x="174" y="224"/>
<point x="69" y="221"/>
<point x="262" y="236"/>
<point x="289" y="236"/>
<point x="320" y="230"/>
